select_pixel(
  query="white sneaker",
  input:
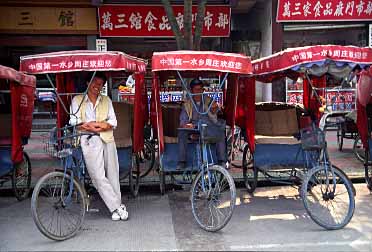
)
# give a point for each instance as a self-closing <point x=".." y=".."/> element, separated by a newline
<point x="120" y="214"/>
<point x="123" y="213"/>
<point x="115" y="215"/>
<point x="122" y="206"/>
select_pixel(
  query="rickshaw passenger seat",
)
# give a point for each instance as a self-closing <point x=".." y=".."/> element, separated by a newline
<point x="124" y="129"/>
<point x="276" y="125"/>
<point x="171" y="114"/>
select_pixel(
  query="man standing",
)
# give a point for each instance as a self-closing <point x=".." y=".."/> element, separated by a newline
<point x="97" y="115"/>
<point x="190" y="117"/>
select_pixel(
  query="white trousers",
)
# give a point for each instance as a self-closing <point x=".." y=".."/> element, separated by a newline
<point x="102" y="163"/>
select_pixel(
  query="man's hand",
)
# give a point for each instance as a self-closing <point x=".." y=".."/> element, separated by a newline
<point x="88" y="126"/>
<point x="102" y="126"/>
<point x="96" y="126"/>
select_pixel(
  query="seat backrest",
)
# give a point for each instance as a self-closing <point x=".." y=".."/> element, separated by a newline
<point x="171" y="118"/>
<point x="124" y="129"/>
<point x="282" y="122"/>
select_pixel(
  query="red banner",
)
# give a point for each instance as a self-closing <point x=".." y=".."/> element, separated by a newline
<point x="296" y="56"/>
<point x="152" y="21"/>
<point x="201" y="61"/>
<point x="323" y="10"/>
<point x="81" y="60"/>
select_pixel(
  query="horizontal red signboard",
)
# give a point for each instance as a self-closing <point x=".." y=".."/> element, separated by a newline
<point x="201" y="61"/>
<point x="323" y="10"/>
<point x="152" y="21"/>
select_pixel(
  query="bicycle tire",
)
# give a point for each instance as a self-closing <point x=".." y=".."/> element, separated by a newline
<point x="340" y="139"/>
<point x="368" y="177"/>
<point x="162" y="181"/>
<point x="312" y="183"/>
<point x="358" y="150"/>
<point x="133" y="179"/>
<point x="368" y="171"/>
<point x="250" y="179"/>
<point x="197" y="194"/>
<point x="58" y="205"/>
<point x="22" y="190"/>
<point x="147" y="159"/>
<point x="231" y="148"/>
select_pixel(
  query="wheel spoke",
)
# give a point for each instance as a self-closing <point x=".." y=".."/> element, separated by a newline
<point x="329" y="201"/>
<point x="57" y="217"/>
<point x="212" y="207"/>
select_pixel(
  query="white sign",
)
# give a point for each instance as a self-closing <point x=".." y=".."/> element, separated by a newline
<point x="101" y="45"/>
<point x="370" y="35"/>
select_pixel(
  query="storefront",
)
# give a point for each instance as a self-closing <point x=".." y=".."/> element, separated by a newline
<point x="316" y="22"/>
<point x="31" y="27"/>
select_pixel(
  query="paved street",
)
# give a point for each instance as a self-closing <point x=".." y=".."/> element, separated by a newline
<point x="274" y="219"/>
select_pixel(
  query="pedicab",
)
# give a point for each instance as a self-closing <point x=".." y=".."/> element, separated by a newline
<point x="213" y="192"/>
<point x="285" y="143"/>
<point x="364" y="121"/>
<point x="66" y="188"/>
<point x="16" y="108"/>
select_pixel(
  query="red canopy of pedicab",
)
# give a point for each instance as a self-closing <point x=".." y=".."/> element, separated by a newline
<point x="22" y="88"/>
<point x="297" y="59"/>
<point x="194" y="64"/>
<point x="64" y="62"/>
<point x="201" y="61"/>
<point x="81" y="60"/>
<point x="18" y="77"/>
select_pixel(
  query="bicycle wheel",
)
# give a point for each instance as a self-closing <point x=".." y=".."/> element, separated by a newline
<point x="358" y="150"/>
<point x="250" y="172"/>
<point x="233" y="148"/>
<point x="340" y="139"/>
<point x="368" y="171"/>
<point x="21" y="178"/>
<point x="213" y="197"/>
<point x="146" y="159"/>
<point x="328" y="197"/>
<point x="162" y="181"/>
<point x="58" y="212"/>
<point x="133" y="176"/>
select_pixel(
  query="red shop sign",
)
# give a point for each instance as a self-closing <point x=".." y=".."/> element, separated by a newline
<point x="152" y="21"/>
<point x="323" y="10"/>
